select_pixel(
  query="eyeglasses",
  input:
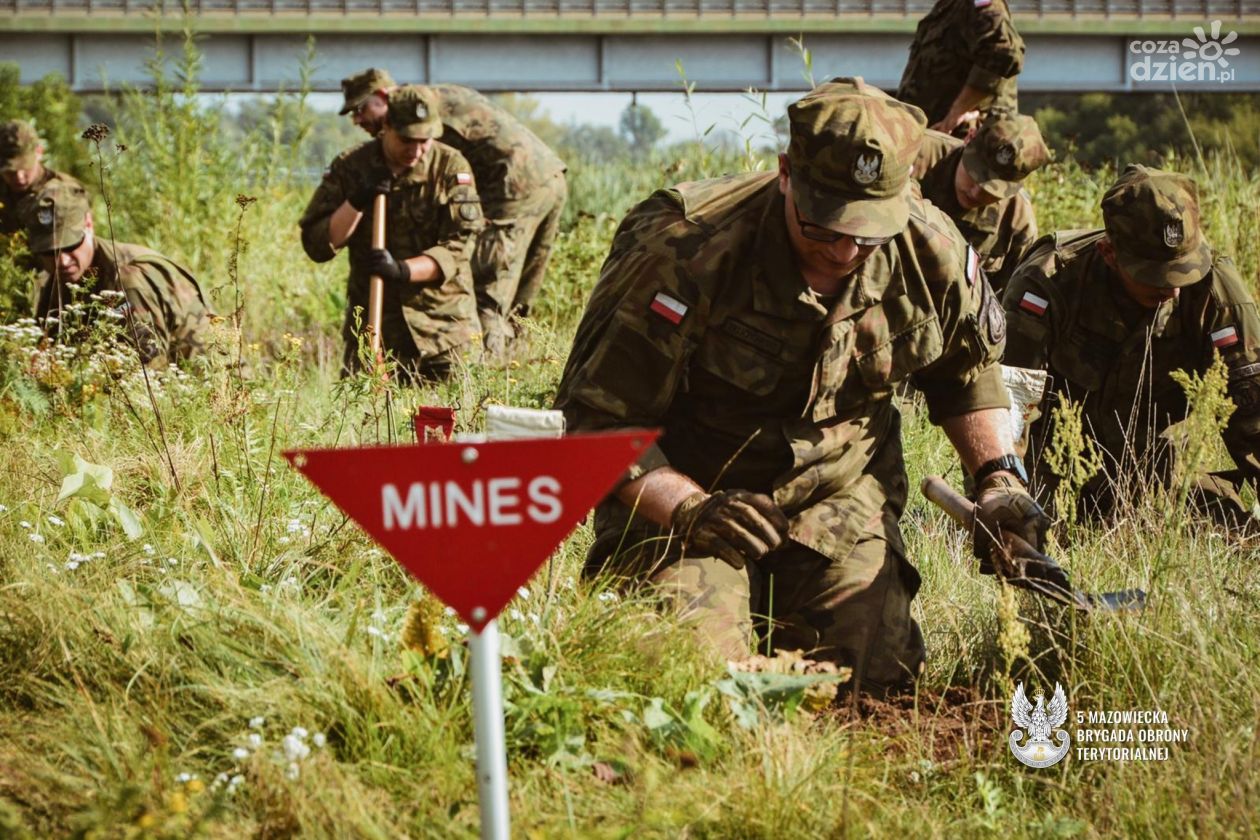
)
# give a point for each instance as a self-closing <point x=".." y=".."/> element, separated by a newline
<point x="818" y="233"/>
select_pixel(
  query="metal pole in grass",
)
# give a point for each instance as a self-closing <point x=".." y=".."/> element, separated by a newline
<point x="487" y="692"/>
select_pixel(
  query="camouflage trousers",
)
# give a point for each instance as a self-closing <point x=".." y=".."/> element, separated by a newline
<point x="511" y="255"/>
<point x="399" y="346"/>
<point x="854" y="612"/>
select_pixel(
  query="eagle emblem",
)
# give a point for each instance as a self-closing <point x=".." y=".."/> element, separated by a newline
<point x="422" y="112"/>
<point x="1005" y="154"/>
<point x="1173" y="233"/>
<point x="44" y="216"/>
<point x="866" y="167"/>
<point x="1039" y="721"/>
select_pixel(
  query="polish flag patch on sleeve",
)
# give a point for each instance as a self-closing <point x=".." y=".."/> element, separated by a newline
<point x="669" y="308"/>
<point x="1224" y="337"/>
<point x="463" y="178"/>
<point x="1035" y="304"/>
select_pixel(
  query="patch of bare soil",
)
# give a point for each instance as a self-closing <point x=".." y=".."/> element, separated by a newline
<point x="948" y="725"/>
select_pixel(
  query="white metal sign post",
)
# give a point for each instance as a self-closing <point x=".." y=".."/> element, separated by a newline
<point x="487" y="697"/>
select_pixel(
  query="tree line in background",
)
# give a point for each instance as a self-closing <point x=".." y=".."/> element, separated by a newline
<point x="1094" y="128"/>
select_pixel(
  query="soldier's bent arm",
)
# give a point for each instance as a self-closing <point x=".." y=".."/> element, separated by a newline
<point x="317" y="220"/>
<point x="1030" y="312"/>
<point x="1233" y="330"/>
<point x="628" y="361"/>
<point x="460" y="219"/>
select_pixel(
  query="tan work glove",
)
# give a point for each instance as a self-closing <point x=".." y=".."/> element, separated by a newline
<point x="734" y="525"/>
<point x="1004" y="504"/>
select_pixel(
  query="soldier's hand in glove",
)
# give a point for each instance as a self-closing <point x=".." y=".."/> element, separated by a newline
<point x="383" y="265"/>
<point x="1004" y="504"/>
<point x="734" y="525"/>
<point x="375" y="183"/>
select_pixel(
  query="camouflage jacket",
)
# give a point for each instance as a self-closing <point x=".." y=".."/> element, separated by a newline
<point x="432" y="209"/>
<point x="1069" y="314"/>
<point x="1000" y="232"/>
<point x="962" y="42"/>
<point x="168" y="310"/>
<point x="508" y="159"/>
<point x="12" y="219"/>
<point x="701" y="324"/>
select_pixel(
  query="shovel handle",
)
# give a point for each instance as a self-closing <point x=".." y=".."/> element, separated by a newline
<point x="939" y="493"/>
<point x="376" y="290"/>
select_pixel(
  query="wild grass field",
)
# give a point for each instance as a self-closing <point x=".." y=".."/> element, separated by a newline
<point x="194" y="642"/>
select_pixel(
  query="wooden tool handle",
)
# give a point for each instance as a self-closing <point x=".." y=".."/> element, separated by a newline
<point x="376" y="291"/>
<point x="938" y="491"/>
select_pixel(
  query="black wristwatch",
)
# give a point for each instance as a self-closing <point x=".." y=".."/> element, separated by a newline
<point x="1009" y="463"/>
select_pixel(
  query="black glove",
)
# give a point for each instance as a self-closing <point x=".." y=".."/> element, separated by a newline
<point x="383" y="265"/>
<point x="1003" y="504"/>
<point x="734" y="525"/>
<point x="362" y="196"/>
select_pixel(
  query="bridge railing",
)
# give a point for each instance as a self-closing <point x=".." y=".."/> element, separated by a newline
<point x="1201" y="9"/>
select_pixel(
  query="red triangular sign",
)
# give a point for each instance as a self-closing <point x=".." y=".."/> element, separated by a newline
<point x="473" y="521"/>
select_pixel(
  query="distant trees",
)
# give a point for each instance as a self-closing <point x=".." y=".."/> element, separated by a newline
<point x="641" y="128"/>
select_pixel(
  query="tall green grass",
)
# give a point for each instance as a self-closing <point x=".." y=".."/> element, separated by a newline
<point x="148" y="684"/>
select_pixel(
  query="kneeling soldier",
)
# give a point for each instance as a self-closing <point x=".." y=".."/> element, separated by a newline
<point x="1112" y="313"/>
<point x="164" y="311"/>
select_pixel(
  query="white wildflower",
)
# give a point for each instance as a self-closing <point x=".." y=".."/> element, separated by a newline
<point x="292" y="772"/>
<point x="56" y="520"/>
<point x="4" y="508"/>
<point x="240" y="753"/>
<point x="39" y="538"/>
<point x="171" y="561"/>
<point x="607" y="596"/>
<point x="294" y="748"/>
<point x="299" y="732"/>
<point x="319" y="740"/>
<point x="516" y="614"/>
<point x="235" y="782"/>
<point x="257" y="722"/>
<point x="450" y="611"/>
<point x="185" y="778"/>
<point x="461" y="627"/>
<point x="255" y="740"/>
<point x="283" y="540"/>
<point x="264" y="588"/>
<point x="523" y="592"/>
<point x="25" y="524"/>
<point x="149" y="550"/>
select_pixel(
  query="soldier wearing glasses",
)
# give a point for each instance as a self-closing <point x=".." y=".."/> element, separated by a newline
<point x="763" y="320"/>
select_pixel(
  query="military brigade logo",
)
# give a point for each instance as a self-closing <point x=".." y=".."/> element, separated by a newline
<point x="1173" y="234"/>
<point x="866" y="167"/>
<point x="1005" y="154"/>
<point x="422" y="113"/>
<point x="1038" y="750"/>
<point x="44" y="216"/>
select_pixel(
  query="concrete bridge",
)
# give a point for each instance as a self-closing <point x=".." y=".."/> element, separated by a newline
<point x="623" y="45"/>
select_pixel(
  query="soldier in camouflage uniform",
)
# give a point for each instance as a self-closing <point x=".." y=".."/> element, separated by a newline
<point x="763" y="320"/>
<point x="22" y="173"/>
<point x="965" y="57"/>
<point x="523" y="191"/>
<point x="429" y="312"/>
<point x="1112" y="313"/>
<point x="978" y="186"/>
<point x="158" y="302"/>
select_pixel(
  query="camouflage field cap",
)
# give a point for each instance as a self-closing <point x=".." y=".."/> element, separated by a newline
<point x="360" y="86"/>
<point x="57" y="217"/>
<point x="413" y="112"/>
<point x="1006" y="150"/>
<point x="851" y="150"/>
<point x="18" y="142"/>
<point x="1152" y="220"/>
